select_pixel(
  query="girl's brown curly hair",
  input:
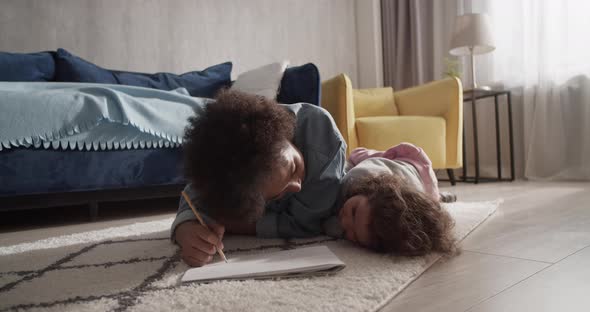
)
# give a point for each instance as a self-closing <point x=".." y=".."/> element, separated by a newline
<point x="404" y="220"/>
<point x="230" y="148"/>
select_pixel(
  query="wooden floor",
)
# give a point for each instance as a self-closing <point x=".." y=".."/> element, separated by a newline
<point x="533" y="254"/>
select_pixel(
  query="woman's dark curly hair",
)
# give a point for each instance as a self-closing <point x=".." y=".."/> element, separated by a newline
<point x="231" y="147"/>
<point x="404" y="221"/>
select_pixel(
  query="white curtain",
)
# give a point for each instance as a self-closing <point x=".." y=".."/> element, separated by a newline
<point x="543" y="55"/>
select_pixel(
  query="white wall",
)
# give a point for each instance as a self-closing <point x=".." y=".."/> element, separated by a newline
<point x="183" y="35"/>
<point x="369" y="44"/>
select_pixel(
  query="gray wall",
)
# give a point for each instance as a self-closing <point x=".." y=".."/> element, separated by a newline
<point x="369" y="43"/>
<point x="183" y="35"/>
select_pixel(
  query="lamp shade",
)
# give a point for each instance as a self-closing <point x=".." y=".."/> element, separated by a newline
<point x="471" y="31"/>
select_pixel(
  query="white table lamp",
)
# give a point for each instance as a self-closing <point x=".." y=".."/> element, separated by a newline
<point x="472" y="35"/>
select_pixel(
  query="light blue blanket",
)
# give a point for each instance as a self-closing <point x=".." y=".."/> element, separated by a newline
<point x="86" y="116"/>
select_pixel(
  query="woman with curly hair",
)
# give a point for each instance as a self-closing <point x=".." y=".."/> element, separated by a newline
<point x="391" y="203"/>
<point x="259" y="168"/>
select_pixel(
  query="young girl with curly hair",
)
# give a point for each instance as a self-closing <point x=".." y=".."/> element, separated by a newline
<point x="391" y="203"/>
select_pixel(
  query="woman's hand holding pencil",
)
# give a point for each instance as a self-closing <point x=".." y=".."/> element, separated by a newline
<point x="199" y="241"/>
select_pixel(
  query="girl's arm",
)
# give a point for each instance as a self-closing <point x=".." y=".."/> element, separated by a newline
<point x="359" y="154"/>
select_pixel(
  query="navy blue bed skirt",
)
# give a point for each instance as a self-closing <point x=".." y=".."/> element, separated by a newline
<point x="26" y="171"/>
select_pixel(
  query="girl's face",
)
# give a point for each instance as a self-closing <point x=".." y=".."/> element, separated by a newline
<point x="355" y="218"/>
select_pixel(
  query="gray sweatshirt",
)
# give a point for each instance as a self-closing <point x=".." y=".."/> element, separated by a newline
<point x="300" y="214"/>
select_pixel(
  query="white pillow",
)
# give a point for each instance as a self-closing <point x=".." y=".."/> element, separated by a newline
<point x="264" y="80"/>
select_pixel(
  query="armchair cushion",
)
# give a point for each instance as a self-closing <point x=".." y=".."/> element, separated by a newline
<point x="383" y="132"/>
<point x="374" y="102"/>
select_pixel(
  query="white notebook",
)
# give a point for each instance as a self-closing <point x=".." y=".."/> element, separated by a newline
<point x="315" y="260"/>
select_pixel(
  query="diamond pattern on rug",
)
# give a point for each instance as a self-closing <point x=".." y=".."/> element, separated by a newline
<point x="80" y="283"/>
<point x="170" y="278"/>
<point x="124" y="267"/>
<point x="123" y="251"/>
<point x="6" y="278"/>
<point x="142" y="273"/>
<point x="34" y="260"/>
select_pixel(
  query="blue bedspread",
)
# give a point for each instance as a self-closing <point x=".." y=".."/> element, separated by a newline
<point x="83" y="116"/>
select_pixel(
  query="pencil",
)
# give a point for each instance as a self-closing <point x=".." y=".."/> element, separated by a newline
<point x="219" y="251"/>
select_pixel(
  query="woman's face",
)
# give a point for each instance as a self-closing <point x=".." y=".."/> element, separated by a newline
<point x="355" y="218"/>
<point x="287" y="176"/>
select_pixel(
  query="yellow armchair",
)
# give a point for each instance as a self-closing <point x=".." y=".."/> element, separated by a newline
<point x="429" y="116"/>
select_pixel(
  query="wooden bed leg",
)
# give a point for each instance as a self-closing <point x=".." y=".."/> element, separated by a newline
<point x="93" y="211"/>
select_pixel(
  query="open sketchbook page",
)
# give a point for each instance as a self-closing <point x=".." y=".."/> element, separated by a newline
<point x="284" y="263"/>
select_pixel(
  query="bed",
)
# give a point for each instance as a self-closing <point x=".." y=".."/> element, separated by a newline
<point x="37" y="177"/>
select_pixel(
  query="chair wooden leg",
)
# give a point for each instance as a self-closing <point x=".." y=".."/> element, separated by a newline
<point x="451" y="174"/>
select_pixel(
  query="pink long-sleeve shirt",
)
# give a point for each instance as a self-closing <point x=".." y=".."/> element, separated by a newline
<point x="408" y="153"/>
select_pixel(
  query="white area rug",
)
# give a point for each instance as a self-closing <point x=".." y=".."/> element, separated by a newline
<point x="136" y="268"/>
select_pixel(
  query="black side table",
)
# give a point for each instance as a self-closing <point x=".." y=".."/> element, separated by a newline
<point x="473" y="96"/>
